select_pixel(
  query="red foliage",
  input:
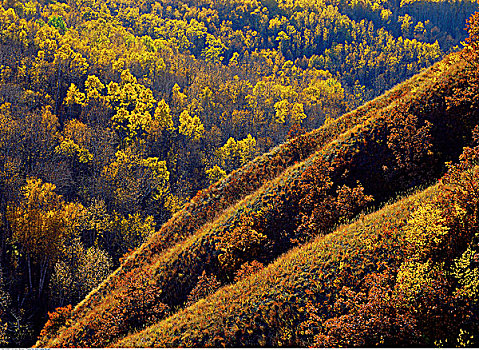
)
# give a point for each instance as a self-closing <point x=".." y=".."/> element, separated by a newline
<point x="410" y="143"/>
<point x="320" y="208"/>
<point x="248" y="269"/>
<point x="369" y="317"/>
<point x="377" y="313"/>
<point x="56" y="320"/>
<point x="466" y="90"/>
<point x="460" y="191"/>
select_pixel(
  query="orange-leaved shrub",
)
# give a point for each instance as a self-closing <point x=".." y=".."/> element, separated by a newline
<point x="248" y="269"/>
<point x="56" y="319"/>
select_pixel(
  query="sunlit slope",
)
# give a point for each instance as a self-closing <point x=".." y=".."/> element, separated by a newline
<point x="398" y="141"/>
<point x="268" y="308"/>
<point x="399" y="276"/>
<point x="405" y="275"/>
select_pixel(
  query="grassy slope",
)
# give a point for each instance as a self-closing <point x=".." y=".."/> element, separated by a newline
<point x="243" y="311"/>
<point x="175" y="270"/>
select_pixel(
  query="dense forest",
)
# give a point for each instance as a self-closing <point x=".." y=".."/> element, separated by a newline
<point x="164" y="150"/>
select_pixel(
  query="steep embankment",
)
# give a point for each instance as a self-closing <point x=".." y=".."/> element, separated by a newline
<point x="300" y="189"/>
<point x="399" y="276"/>
<point x="267" y="308"/>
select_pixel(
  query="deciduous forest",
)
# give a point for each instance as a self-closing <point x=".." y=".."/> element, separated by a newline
<point x="239" y="173"/>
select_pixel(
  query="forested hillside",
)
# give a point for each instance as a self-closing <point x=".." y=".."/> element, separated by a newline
<point x="268" y="265"/>
<point x="187" y="126"/>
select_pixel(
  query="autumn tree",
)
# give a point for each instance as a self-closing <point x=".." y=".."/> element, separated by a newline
<point x="42" y="224"/>
<point x="134" y="183"/>
<point x="78" y="272"/>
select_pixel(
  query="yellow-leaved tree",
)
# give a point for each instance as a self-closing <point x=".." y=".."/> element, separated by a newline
<point x="424" y="232"/>
<point x="42" y="225"/>
<point x="191" y="126"/>
<point x="133" y="183"/>
<point x="233" y="154"/>
<point x="79" y="271"/>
